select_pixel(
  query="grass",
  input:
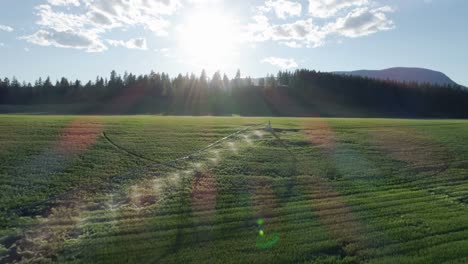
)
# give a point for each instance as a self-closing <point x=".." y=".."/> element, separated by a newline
<point x="315" y="191"/>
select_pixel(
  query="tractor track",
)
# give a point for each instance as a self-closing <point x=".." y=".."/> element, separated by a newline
<point x="131" y="174"/>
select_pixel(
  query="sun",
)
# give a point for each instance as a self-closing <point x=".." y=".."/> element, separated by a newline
<point x="209" y="39"/>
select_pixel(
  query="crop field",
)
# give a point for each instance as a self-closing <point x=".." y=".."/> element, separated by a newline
<point x="155" y="189"/>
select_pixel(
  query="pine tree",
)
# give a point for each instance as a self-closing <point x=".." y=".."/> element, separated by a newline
<point x="238" y="75"/>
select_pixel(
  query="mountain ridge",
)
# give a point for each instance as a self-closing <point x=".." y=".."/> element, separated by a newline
<point x="404" y="74"/>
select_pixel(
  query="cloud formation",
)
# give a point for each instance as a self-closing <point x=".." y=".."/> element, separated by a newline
<point x="136" y="43"/>
<point x="282" y="8"/>
<point x="81" y="24"/>
<point x="283" y="63"/>
<point x="66" y="39"/>
<point x="363" y="21"/>
<point x="147" y="13"/>
<point x="329" y="8"/>
<point x="64" y="2"/>
<point x="301" y="33"/>
<point x="6" y="28"/>
<point x="65" y="30"/>
<point x="84" y="22"/>
<point x="326" y="19"/>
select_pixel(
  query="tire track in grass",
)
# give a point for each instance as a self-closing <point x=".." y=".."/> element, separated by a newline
<point x="79" y="135"/>
<point x="74" y="141"/>
<point x="264" y="203"/>
<point x="260" y="196"/>
<point x="263" y="200"/>
<point x="267" y="209"/>
<point x="129" y="152"/>
<point x="138" y="198"/>
<point x="273" y="210"/>
<point x="333" y="211"/>
<point x="142" y="199"/>
<point x="204" y="194"/>
<point x="219" y="232"/>
<point x="336" y="215"/>
<point x="184" y="158"/>
<point x="46" y="238"/>
<point x="407" y="223"/>
<point x="424" y="159"/>
<point x="131" y="174"/>
<point x="425" y="165"/>
<point x="416" y="149"/>
<point x="282" y="215"/>
<point x="346" y="228"/>
<point x="204" y="199"/>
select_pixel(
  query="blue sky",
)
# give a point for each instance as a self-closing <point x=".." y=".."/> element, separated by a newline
<point x="85" y="38"/>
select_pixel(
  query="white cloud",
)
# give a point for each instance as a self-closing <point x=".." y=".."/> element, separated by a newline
<point x="60" y="21"/>
<point x="136" y="43"/>
<point x="292" y="44"/>
<point x="259" y="30"/>
<point x="83" y="23"/>
<point x="66" y="39"/>
<point x="350" y="18"/>
<point x="282" y="8"/>
<point x="2" y="44"/>
<point x="205" y="1"/>
<point x="6" y="28"/>
<point x="281" y="62"/>
<point x="298" y="34"/>
<point x="63" y="30"/>
<point x="329" y="8"/>
<point x="147" y="13"/>
<point x="102" y="20"/>
<point x="362" y="22"/>
<point x="303" y="32"/>
<point x="64" y="2"/>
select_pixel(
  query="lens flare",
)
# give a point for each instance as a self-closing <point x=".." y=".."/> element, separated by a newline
<point x="267" y="242"/>
<point x="263" y="241"/>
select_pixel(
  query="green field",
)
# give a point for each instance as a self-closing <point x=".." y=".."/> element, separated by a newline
<point x="150" y="189"/>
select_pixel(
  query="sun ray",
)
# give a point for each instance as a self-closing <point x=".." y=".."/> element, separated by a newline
<point x="209" y="39"/>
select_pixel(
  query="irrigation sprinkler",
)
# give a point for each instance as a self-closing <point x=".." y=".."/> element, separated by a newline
<point x="269" y="127"/>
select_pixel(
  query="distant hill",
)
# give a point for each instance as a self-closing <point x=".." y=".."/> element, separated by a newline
<point x="402" y="74"/>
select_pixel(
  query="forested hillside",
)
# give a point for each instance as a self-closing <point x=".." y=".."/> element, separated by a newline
<point x="405" y="74"/>
<point x="299" y="93"/>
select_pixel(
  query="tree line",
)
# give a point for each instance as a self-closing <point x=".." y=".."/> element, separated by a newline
<point x="289" y="93"/>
